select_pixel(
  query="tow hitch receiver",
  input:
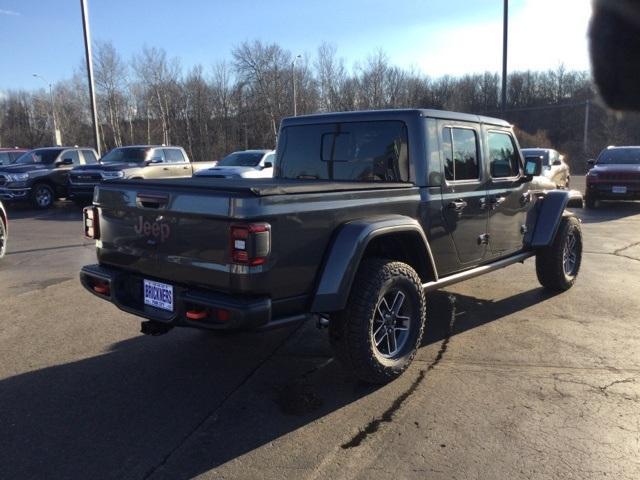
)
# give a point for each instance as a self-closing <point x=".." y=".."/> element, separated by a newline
<point x="154" y="328"/>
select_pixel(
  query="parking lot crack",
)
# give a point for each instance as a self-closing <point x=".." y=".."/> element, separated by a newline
<point x="388" y="415"/>
<point x="618" y="251"/>
<point x="603" y="389"/>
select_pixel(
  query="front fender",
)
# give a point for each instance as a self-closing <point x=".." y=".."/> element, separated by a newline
<point x="547" y="217"/>
<point x="346" y="252"/>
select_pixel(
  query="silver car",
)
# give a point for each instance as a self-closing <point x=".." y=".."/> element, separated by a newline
<point x="553" y="165"/>
<point x="243" y="164"/>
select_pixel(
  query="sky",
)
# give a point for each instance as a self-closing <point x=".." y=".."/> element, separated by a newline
<point x="435" y="37"/>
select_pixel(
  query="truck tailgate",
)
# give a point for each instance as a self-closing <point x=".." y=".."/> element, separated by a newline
<point x="179" y="236"/>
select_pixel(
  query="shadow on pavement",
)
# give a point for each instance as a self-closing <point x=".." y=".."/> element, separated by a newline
<point x="608" y="211"/>
<point x="60" y="211"/>
<point x="124" y="413"/>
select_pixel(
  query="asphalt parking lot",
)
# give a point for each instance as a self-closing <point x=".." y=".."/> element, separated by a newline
<point x="511" y="382"/>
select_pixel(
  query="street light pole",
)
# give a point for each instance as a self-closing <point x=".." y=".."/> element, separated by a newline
<point x="293" y="79"/>
<point x="56" y="140"/>
<point x="505" y="41"/>
<point x="92" y="95"/>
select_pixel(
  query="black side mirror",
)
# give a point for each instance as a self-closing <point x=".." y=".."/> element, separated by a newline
<point x="591" y="162"/>
<point x="153" y="161"/>
<point x="557" y="163"/>
<point x="532" y="167"/>
<point x="64" y="162"/>
<point x="267" y="165"/>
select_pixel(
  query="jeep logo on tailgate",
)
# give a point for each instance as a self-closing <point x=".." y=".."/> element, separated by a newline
<point x="157" y="229"/>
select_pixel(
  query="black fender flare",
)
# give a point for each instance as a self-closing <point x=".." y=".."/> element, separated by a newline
<point x="548" y="215"/>
<point x="346" y="251"/>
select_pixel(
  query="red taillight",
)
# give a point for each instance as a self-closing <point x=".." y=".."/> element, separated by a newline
<point x="250" y="244"/>
<point x="102" y="288"/>
<point x="91" y="222"/>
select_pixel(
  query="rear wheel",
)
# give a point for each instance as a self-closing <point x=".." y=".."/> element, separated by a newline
<point x="42" y="196"/>
<point x="557" y="265"/>
<point x="3" y="238"/>
<point x="377" y="336"/>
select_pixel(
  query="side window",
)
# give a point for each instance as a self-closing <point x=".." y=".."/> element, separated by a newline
<point x="73" y="155"/>
<point x="157" y="155"/>
<point x="89" y="157"/>
<point x="503" y="155"/>
<point x="173" y="155"/>
<point x="460" y="147"/>
<point x="4" y="158"/>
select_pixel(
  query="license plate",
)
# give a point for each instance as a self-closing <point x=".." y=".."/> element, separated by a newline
<point x="158" y="295"/>
<point x="618" y="189"/>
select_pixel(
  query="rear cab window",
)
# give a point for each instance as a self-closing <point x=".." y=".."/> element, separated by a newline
<point x="504" y="159"/>
<point x="371" y="151"/>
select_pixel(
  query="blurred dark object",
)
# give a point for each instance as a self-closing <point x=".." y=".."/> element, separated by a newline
<point x="614" y="36"/>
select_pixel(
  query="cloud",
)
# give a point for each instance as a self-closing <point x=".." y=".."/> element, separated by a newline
<point x="10" y="13"/>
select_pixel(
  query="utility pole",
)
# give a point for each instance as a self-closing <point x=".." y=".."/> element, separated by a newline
<point x="87" y="50"/>
<point x="293" y="79"/>
<point x="57" y="138"/>
<point x="585" y="144"/>
<point x="505" y="41"/>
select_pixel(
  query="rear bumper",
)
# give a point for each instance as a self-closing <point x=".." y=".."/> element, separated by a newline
<point x="14" y="193"/>
<point x="125" y="292"/>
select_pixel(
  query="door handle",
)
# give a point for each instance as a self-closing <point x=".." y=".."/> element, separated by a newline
<point x="185" y="168"/>
<point x="457" y="205"/>
<point x="165" y="168"/>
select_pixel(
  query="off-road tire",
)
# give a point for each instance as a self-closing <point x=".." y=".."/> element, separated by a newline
<point x="350" y="331"/>
<point x="553" y="273"/>
<point x="42" y="196"/>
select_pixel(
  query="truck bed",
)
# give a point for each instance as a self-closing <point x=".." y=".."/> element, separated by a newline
<point x="260" y="187"/>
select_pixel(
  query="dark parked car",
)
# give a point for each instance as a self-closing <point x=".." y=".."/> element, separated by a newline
<point x="367" y="213"/>
<point x="135" y="162"/>
<point x="40" y="175"/>
<point x="10" y="155"/>
<point x="4" y="230"/>
<point x="615" y="175"/>
<point x="553" y="165"/>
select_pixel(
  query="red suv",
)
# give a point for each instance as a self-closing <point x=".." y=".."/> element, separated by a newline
<point x="615" y="176"/>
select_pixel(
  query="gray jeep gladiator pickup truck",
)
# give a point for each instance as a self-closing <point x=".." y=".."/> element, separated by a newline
<point x="366" y="214"/>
